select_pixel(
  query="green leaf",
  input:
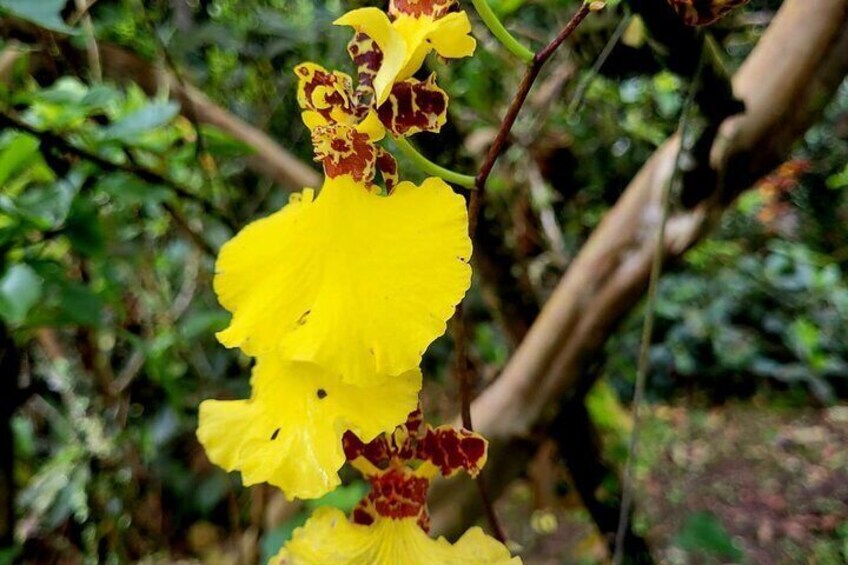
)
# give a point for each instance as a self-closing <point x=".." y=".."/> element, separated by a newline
<point x="838" y="180"/>
<point x="48" y="206"/>
<point x="9" y="554"/>
<point x="129" y="190"/>
<point x="703" y="531"/>
<point x="21" y="151"/>
<point x="804" y="335"/>
<point x="44" y="13"/>
<point x="79" y="305"/>
<point x="145" y="119"/>
<point x="20" y="290"/>
<point x="221" y="144"/>
<point x="204" y="323"/>
<point x="84" y="229"/>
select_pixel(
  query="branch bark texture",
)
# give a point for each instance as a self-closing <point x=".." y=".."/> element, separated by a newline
<point x="785" y="84"/>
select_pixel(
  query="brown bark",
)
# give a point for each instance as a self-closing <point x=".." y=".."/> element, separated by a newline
<point x="785" y="84"/>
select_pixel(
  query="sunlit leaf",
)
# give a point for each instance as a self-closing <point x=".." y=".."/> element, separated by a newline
<point x="22" y="150"/>
<point x="20" y="289"/>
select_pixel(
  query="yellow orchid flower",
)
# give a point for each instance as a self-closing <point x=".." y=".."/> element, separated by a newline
<point x="328" y="537"/>
<point x="400" y="465"/>
<point x="416" y="28"/>
<point x="289" y="433"/>
<point x="353" y="281"/>
<point x="390" y="524"/>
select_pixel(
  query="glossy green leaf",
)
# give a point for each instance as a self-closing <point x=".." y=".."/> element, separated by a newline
<point x="20" y="290"/>
<point x="20" y="152"/>
<point x="148" y="118"/>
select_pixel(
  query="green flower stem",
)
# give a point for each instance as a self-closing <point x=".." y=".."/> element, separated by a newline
<point x="431" y="168"/>
<point x="499" y="31"/>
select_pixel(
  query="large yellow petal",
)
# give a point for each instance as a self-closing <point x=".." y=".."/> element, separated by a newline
<point x="328" y="537"/>
<point x="289" y="433"/>
<point x="355" y="282"/>
<point x="451" y="39"/>
<point x="448" y="36"/>
<point x="374" y="23"/>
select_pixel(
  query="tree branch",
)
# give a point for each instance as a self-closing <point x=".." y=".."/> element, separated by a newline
<point x="119" y="65"/>
<point x="785" y="84"/>
<point x="463" y="365"/>
<point x="50" y="140"/>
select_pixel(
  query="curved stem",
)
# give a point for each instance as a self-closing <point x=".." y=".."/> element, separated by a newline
<point x="499" y="31"/>
<point x="644" y="362"/>
<point x="431" y="168"/>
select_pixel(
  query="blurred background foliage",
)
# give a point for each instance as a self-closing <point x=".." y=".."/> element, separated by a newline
<point x="110" y="219"/>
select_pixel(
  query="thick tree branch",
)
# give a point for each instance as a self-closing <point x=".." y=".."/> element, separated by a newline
<point x="785" y="84"/>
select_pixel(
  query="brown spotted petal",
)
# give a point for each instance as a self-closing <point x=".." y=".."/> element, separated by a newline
<point x="400" y="465"/>
<point x="367" y="57"/>
<point x="377" y="452"/>
<point x="414" y="106"/>
<point x="703" y="12"/>
<point x="418" y="8"/>
<point x="326" y="97"/>
<point x="387" y="165"/>
<point x="453" y="450"/>
<point x="345" y="151"/>
<point x="397" y="493"/>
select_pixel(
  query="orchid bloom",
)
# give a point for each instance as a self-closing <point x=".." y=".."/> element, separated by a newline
<point x="346" y="125"/>
<point x="390" y="524"/>
<point x="404" y="37"/>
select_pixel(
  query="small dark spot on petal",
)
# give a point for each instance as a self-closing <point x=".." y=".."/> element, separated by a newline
<point x="275" y="434"/>
<point x="303" y="317"/>
<point x="322" y="394"/>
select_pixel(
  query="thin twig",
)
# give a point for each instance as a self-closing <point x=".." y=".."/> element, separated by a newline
<point x="143" y="173"/>
<point x="463" y="365"/>
<point x="464" y="378"/>
<point x="648" y="325"/>
<point x="584" y="85"/>
<point x="81" y="11"/>
<point x="50" y="139"/>
<point x="530" y="76"/>
<point x="191" y="110"/>
<point x="474" y="200"/>
<point x="90" y="41"/>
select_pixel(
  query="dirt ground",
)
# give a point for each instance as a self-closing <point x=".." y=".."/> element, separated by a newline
<point x="744" y="483"/>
